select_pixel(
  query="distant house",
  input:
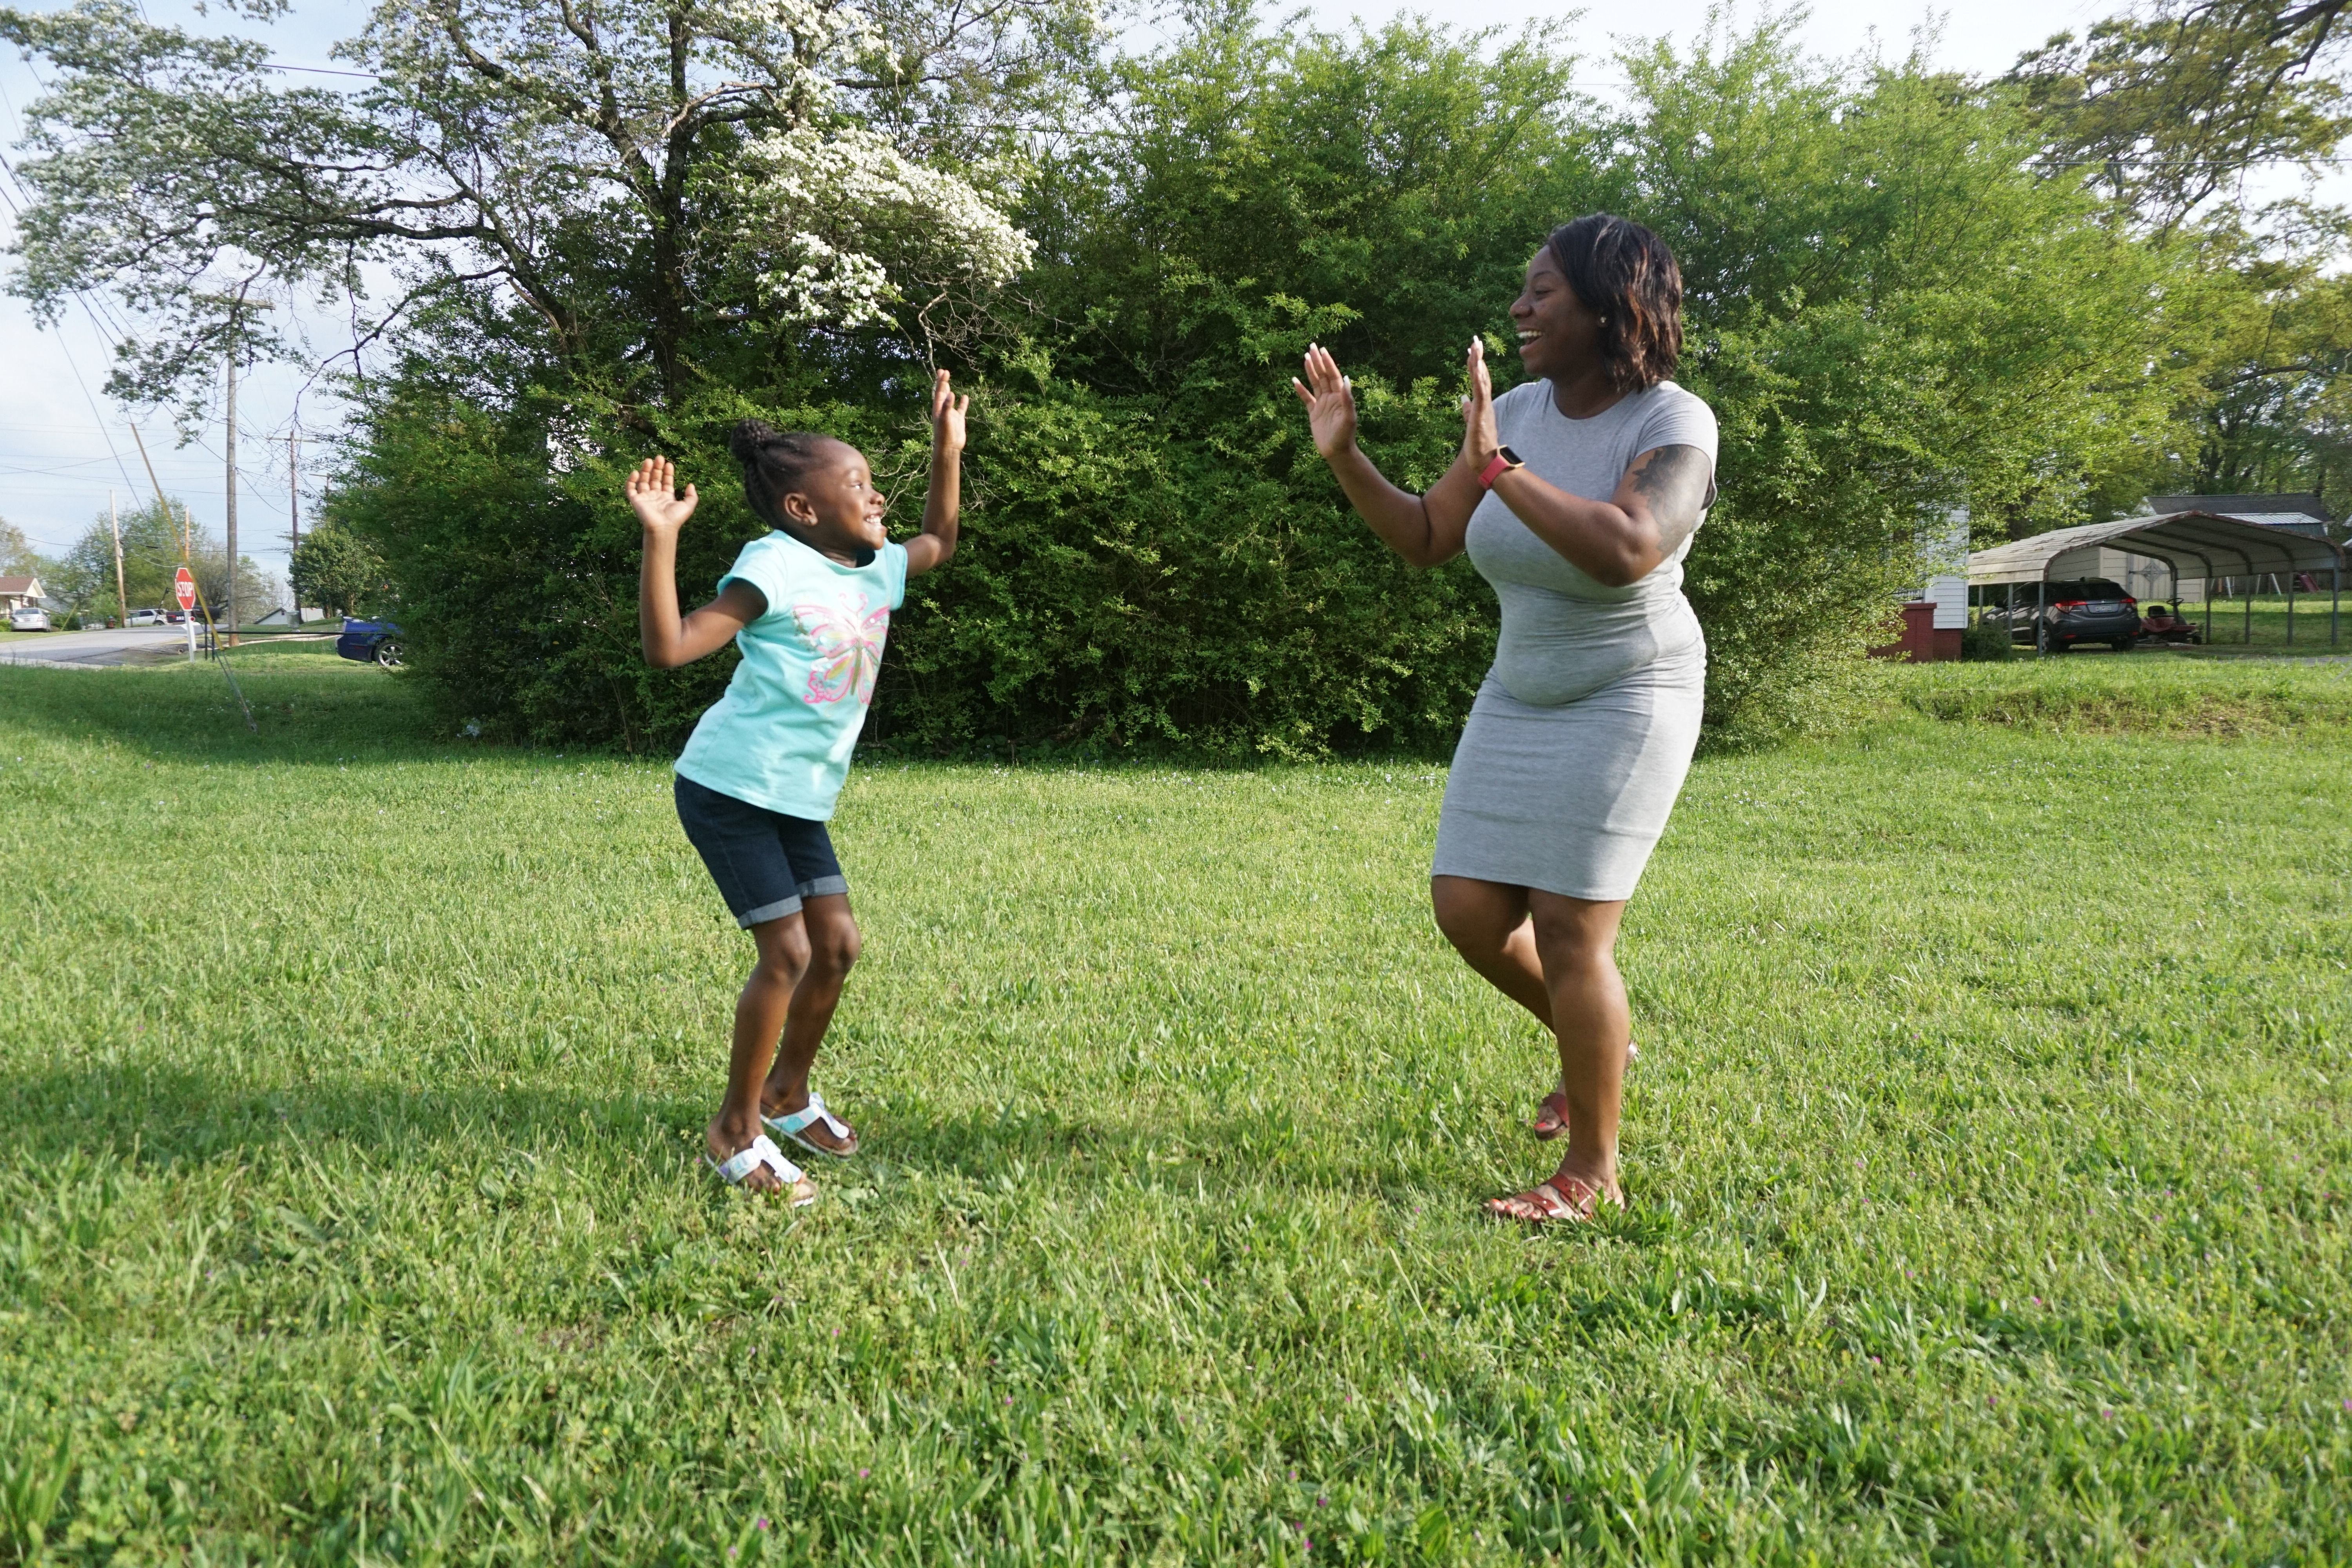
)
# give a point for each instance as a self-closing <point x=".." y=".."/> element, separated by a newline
<point x="2301" y="513"/>
<point x="17" y="593"/>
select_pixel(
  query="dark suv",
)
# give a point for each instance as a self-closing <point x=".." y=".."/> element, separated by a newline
<point x="2088" y="609"/>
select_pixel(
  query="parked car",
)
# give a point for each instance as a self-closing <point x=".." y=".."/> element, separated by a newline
<point x="371" y="642"/>
<point x="2087" y="609"/>
<point x="28" y="618"/>
<point x="143" y="618"/>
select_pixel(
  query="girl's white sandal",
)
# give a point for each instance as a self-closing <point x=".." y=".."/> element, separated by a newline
<point x="762" y="1151"/>
<point x="795" y="1123"/>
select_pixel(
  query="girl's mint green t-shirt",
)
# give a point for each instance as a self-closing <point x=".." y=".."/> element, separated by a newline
<point x="781" y="735"/>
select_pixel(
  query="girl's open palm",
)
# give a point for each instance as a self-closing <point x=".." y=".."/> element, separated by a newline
<point x="1331" y="402"/>
<point x="652" y="489"/>
<point x="947" y="415"/>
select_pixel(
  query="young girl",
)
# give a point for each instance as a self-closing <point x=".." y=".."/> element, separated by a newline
<point x="809" y="606"/>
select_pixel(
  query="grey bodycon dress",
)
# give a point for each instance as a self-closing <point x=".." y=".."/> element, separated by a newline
<point x="1583" y="728"/>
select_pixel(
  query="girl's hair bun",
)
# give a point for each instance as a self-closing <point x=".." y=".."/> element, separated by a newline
<point x="747" y="436"/>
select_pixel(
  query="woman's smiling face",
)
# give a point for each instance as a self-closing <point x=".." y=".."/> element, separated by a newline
<point x="1557" y="336"/>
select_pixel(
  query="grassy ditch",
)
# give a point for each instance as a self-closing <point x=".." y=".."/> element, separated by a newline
<point x="2148" y="692"/>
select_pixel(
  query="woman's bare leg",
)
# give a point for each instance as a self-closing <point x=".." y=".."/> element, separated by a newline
<point x="1555" y="956"/>
<point x="1576" y="938"/>
<point x="1488" y="925"/>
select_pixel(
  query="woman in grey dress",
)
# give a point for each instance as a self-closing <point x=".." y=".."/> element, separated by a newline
<point x="1576" y="495"/>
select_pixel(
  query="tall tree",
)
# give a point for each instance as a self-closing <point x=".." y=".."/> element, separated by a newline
<point x="2166" y="109"/>
<point x="609" y="171"/>
<point x="17" y="556"/>
<point x="153" y="550"/>
<point x="336" y="570"/>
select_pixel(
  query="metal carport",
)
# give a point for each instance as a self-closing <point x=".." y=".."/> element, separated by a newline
<point x="2220" y="544"/>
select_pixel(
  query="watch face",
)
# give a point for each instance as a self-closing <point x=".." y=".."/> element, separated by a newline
<point x="1511" y="457"/>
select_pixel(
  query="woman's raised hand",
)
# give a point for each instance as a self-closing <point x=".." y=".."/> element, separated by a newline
<point x="654" y="496"/>
<point x="1479" y="440"/>
<point x="1330" y="403"/>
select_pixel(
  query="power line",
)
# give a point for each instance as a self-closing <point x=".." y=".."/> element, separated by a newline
<point x="321" y="70"/>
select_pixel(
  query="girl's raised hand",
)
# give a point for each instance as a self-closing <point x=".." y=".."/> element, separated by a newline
<point x="1479" y="440"/>
<point x="947" y="415"/>
<point x="654" y="496"/>
<point x="1330" y="403"/>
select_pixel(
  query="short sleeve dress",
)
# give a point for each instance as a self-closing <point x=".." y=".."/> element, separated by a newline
<point x="1583" y="728"/>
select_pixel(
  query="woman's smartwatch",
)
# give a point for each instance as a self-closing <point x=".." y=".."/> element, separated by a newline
<point x="1503" y="462"/>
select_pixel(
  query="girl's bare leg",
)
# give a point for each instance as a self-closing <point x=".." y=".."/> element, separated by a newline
<point x="828" y="948"/>
<point x="759" y="1016"/>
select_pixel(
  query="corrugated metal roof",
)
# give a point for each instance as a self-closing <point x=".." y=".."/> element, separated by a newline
<point x="2203" y="544"/>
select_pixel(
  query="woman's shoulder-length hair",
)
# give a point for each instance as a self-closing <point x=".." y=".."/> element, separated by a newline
<point x="1626" y="276"/>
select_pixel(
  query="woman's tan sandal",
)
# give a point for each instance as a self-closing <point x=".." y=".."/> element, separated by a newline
<point x="1551" y="1118"/>
<point x="1545" y="1204"/>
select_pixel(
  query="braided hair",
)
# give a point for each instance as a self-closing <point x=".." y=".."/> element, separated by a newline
<point x="775" y="462"/>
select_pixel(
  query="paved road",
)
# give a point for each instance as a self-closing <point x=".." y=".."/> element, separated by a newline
<point x="123" y="645"/>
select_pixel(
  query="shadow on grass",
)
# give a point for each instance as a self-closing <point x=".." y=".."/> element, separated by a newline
<point x="176" y="1116"/>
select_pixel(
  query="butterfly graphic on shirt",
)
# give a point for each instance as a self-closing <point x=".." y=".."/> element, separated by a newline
<point x="846" y="640"/>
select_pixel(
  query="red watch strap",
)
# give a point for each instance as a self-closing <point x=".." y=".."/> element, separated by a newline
<point x="1497" y="466"/>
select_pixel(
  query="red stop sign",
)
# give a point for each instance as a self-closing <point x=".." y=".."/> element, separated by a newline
<point x="183" y="587"/>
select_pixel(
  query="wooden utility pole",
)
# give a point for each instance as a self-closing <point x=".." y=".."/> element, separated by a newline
<point x="121" y="599"/>
<point x="238" y="305"/>
<point x="294" y="514"/>
<point x="152" y="482"/>
<point x="229" y="442"/>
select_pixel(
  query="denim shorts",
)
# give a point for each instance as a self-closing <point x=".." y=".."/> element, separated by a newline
<point x="764" y="862"/>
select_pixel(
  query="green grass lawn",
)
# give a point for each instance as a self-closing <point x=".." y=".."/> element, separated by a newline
<point x="1986" y="1208"/>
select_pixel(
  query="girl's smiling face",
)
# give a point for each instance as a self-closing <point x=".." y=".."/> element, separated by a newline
<point x="1557" y="336"/>
<point x="836" y="507"/>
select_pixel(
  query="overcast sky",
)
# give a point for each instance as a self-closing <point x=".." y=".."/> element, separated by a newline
<point x="62" y="444"/>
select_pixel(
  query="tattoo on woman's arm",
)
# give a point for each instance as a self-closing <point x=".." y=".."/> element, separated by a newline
<point x="1679" y="484"/>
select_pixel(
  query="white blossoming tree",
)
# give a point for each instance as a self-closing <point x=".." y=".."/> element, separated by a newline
<point x="599" y="175"/>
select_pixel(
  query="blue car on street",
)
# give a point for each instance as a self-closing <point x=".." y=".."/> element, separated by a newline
<point x="371" y="642"/>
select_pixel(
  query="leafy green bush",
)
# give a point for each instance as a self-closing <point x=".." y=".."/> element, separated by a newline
<point x="1985" y="640"/>
<point x="1890" y="315"/>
